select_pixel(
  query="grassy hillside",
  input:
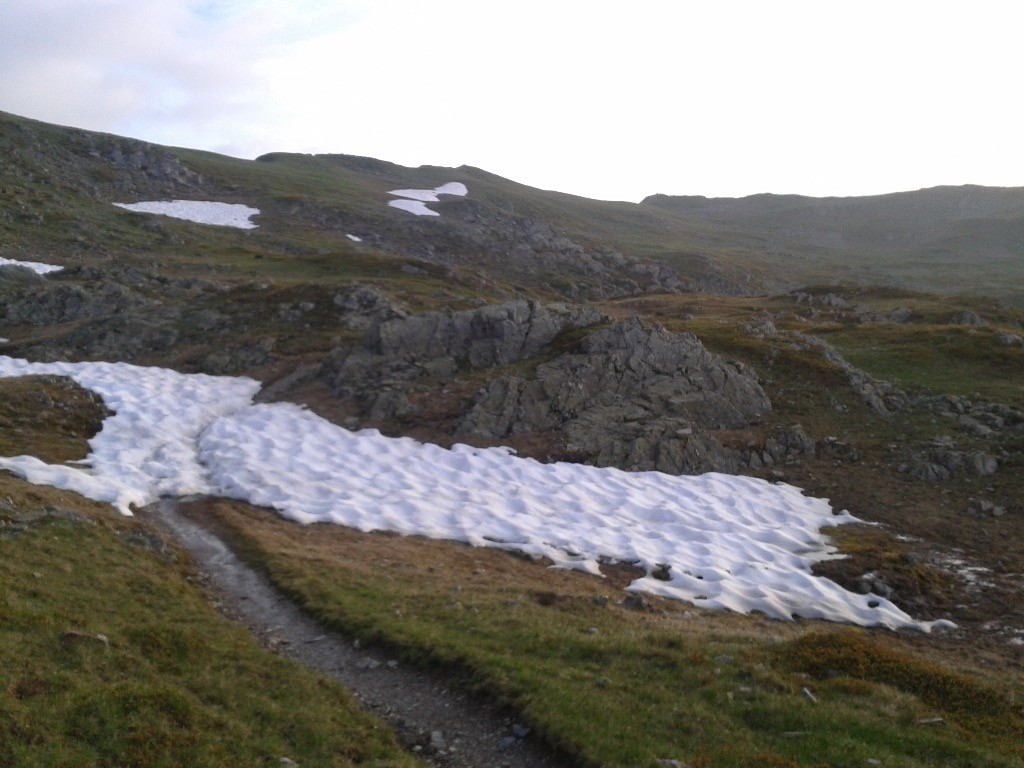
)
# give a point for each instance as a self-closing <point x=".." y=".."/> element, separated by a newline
<point x="631" y="683"/>
<point x="111" y="653"/>
<point x="959" y="240"/>
<point x="610" y="681"/>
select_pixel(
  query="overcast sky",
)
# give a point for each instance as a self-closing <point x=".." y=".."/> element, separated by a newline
<point x="613" y="100"/>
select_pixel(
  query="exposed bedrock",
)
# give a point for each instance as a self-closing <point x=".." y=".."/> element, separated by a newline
<point x="493" y="335"/>
<point x="403" y="348"/>
<point x="634" y="396"/>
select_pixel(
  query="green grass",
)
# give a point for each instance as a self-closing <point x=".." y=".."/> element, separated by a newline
<point x="172" y="684"/>
<point x="622" y="688"/>
<point x="936" y="359"/>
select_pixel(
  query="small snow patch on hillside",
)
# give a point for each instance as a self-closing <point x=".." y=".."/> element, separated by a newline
<point x="456" y="188"/>
<point x="35" y="266"/>
<point x="199" y="211"/>
<point x="415" y="199"/>
<point x="413" y="206"/>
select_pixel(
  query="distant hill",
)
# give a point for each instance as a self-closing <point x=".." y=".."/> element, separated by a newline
<point x="967" y="239"/>
<point x="57" y="185"/>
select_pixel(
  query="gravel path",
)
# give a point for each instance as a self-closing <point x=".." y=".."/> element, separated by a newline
<point x="442" y="726"/>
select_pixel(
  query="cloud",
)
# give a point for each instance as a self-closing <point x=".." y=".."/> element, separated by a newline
<point x="167" y="69"/>
<point x="607" y="99"/>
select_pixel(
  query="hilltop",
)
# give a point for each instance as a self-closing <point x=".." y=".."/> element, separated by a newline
<point x="866" y="350"/>
<point x="955" y="240"/>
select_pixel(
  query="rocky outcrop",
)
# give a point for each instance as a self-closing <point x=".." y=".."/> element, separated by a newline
<point x="634" y="396"/>
<point x="980" y="418"/>
<point x="363" y="306"/>
<point x="407" y="347"/>
<point x="52" y="303"/>
<point x="111" y="314"/>
<point x="496" y="243"/>
<point x="883" y="397"/>
<point x="901" y="315"/>
<point x="940" y="459"/>
<point x="493" y="335"/>
<point x="15" y="274"/>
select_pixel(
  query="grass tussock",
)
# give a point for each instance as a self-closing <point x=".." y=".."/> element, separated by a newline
<point x="859" y="656"/>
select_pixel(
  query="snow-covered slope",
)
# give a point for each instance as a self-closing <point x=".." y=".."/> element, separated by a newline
<point x="728" y="542"/>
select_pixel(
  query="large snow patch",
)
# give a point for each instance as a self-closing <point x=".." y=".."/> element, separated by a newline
<point x="200" y="211"/>
<point x="733" y="543"/>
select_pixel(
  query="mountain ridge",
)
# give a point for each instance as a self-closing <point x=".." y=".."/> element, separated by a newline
<point x="965" y="240"/>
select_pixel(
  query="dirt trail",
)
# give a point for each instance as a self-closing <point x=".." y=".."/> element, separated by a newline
<point x="445" y="727"/>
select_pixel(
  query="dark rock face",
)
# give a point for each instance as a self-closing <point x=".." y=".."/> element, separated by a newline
<point x="493" y="335"/>
<point x="362" y="306"/>
<point x="15" y="274"/>
<point x="632" y="395"/>
<point x="940" y="460"/>
<point x="112" y="314"/>
<point x="635" y="396"/>
<point x="65" y="302"/>
<point x="405" y="347"/>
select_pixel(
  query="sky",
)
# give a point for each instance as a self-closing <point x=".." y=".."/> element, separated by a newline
<point x="609" y="100"/>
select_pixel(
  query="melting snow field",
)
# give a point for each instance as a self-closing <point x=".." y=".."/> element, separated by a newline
<point x="416" y="199"/>
<point x="732" y="543"/>
<point x="35" y="266"/>
<point x="413" y="206"/>
<point x="431" y="195"/>
<point x="148" y="448"/>
<point x="201" y="212"/>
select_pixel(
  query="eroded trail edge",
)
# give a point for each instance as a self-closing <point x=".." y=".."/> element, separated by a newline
<point x="443" y="726"/>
